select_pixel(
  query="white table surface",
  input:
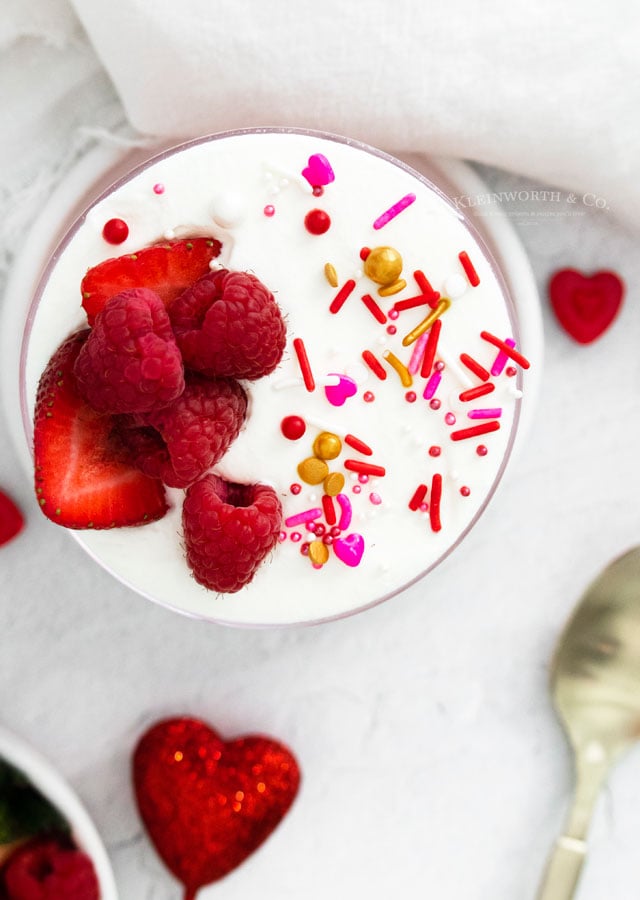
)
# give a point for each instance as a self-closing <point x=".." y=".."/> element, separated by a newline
<point x="432" y="762"/>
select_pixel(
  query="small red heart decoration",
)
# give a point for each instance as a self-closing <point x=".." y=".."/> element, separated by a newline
<point x="585" y="305"/>
<point x="206" y="803"/>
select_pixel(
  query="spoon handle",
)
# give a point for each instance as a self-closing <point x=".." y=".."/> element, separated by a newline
<point x="563" y="869"/>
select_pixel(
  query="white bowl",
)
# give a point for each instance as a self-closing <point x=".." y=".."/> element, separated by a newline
<point x="52" y="786"/>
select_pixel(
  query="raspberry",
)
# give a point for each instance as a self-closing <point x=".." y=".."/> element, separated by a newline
<point x="228" y="530"/>
<point x="50" y="869"/>
<point x="180" y="442"/>
<point x="131" y="362"/>
<point x="229" y="324"/>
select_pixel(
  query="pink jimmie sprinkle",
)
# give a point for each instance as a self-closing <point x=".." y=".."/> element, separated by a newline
<point x="302" y="518"/>
<point x="502" y="358"/>
<point x="485" y="413"/>
<point x="394" y="211"/>
<point x="418" y="353"/>
<point x="432" y="385"/>
<point x="346" y="511"/>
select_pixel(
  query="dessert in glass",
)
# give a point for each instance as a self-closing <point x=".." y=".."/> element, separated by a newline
<point x="326" y="324"/>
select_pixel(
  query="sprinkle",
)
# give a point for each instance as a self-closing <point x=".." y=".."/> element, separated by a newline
<point x="374" y="309"/>
<point x="418" y="496"/>
<point x="356" y="444"/>
<point x="411" y="396"/>
<point x="469" y="271"/>
<point x="295" y="536"/>
<point x="303" y="362"/>
<point x="474" y="366"/>
<point x="376" y="499"/>
<point x="295" y="488"/>
<point x="374" y="365"/>
<point x="465" y="491"/>
<point x="474" y="431"/>
<point x="435" y="450"/>
<point x="269" y="210"/>
<point x="391" y="329"/>
<point x="450" y="418"/>
<point x="423" y="283"/>
<point x="331" y="275"/>
<point x="364" y="468"/>
<point x="418" y="353"/>
<point x="475" y="392"/>
<point x="302" y="518"/>
<point x="329" y="509"/>
<point x="338" y="301"/>
<point x="317" y="221"/>
<point x="293" y="427"/>
<point x="430" y="348"/>
<point x="401" y="369"/>
<point x="346" y="511"/>
<point x="115" y="231"/>
<point x="425" y="325"/>
<point x="318" y="171"/>
<point x="506" y="347"/>
<point x="387" y="290"/>
<point x="393" y="211"/>
<point x="158" y="188"/>
<point x="432" y="385"/>
<point x="413" y="302"/>
<point x="318" y="554"/>
<point x="501" y="359"/>
<point x="434" y="506"/>
<point x="333" y="484"/>
<point x="368" y="397"/>
<point x="494" y="413"/>
<point x="393" y="314"/>
<point x="481" y="450"/>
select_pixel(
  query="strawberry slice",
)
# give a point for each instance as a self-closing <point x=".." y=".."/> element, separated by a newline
<point x="11" y="520"/>
<point x="82" y="476"/>
<point x="167" y="268"/>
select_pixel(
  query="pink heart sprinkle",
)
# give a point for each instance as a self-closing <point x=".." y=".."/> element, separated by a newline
<point x="349" y="549"/>
<point x="318" y="171"/>
<point x="338" y="394"/>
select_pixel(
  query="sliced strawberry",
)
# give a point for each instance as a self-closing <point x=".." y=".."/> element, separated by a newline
<point x="168" y="269"/>
<point x="11" y="520"/>
<point x="82" y="478"/>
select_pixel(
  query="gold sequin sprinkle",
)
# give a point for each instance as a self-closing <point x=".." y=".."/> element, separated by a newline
<point x="331" y="275"/>
<point x="313" y="470"/>
<point x="318" y="553"/>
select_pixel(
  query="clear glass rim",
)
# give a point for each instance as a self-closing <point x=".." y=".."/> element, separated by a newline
<point x="327" y="136"/>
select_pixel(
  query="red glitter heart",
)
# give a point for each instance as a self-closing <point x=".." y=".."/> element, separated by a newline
<point x="585" y="305"/>
<point x="206" y="803"/>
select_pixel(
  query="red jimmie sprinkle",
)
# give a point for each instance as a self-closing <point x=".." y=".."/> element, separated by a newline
<point x="418" y="496"/>
<point x="423" y="283"/>
<point x="374" y="365"/>
<point x="469" y="271"/>
<point x="431" y="348"/>
<point x="484" y="428"/>
<point x="434" y="506"/>
<point x="474" y="366"/>
<point x="356" y="444"/>
<point x="475" y="392"/>
<point x="364" y="468"/>
<point x="303" y="362"/>
<point x="419" y="300"/>
<point x="506" y="349"/>
<point x="338" y="301"/>
<point x="329" y="509"/>
<point x="374" y="309"/>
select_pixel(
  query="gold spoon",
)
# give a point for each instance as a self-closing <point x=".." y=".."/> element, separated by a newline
<point x="595" y="680"/>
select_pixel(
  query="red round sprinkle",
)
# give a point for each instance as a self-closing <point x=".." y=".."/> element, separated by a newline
<point x="328" y="539"/>
<point x="410" y="396"/>
<point x="158" y="188"/>
<point x="435" y="403"/>
<point x="293" y="427"/>
<point x="335" y="532"/>
<point x="393" y="313"/>
<point x="481" y="450"/>
<point x="115" y="231"/>
<point x="269" y="211"/>
<point x="318" y="191"/>
<point x="317" y="221"/>
<point x="311" y="526"/>
<point x="296" y="536"/>
<point x="304" y="549"/>
<point x="295" y="488"/>
<point x="510" y="371"/>
<point x="391" y="329"/>
<point x="365" y="252"/>
<point x="320" y="529"/>
<point x="439" y="366"/>
<point x="368" y="397"/>
<point x="435" y="450"/>
<point x="465" y="491"/>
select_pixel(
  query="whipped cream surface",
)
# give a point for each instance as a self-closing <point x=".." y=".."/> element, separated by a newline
<point x="253" y="191"/>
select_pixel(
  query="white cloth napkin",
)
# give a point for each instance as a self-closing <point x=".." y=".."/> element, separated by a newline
<point x="549" y="90"/>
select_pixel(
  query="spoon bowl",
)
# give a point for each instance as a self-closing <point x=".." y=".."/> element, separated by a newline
<point x="595" y="684"/>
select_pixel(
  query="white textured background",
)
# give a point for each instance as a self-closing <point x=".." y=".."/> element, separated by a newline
<point x="432" y="763"/>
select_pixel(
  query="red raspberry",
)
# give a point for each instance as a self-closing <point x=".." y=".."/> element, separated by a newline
<point x="228" y="530"/>
<point x="180" y="442"/>
<point x="131" y="362"/>
<point x="228" y="323"/>
<point x="49" y="869"/>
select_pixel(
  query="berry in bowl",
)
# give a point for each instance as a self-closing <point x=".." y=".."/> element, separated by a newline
<point x="272" y="377"/>
<point x="49" y="847"/>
